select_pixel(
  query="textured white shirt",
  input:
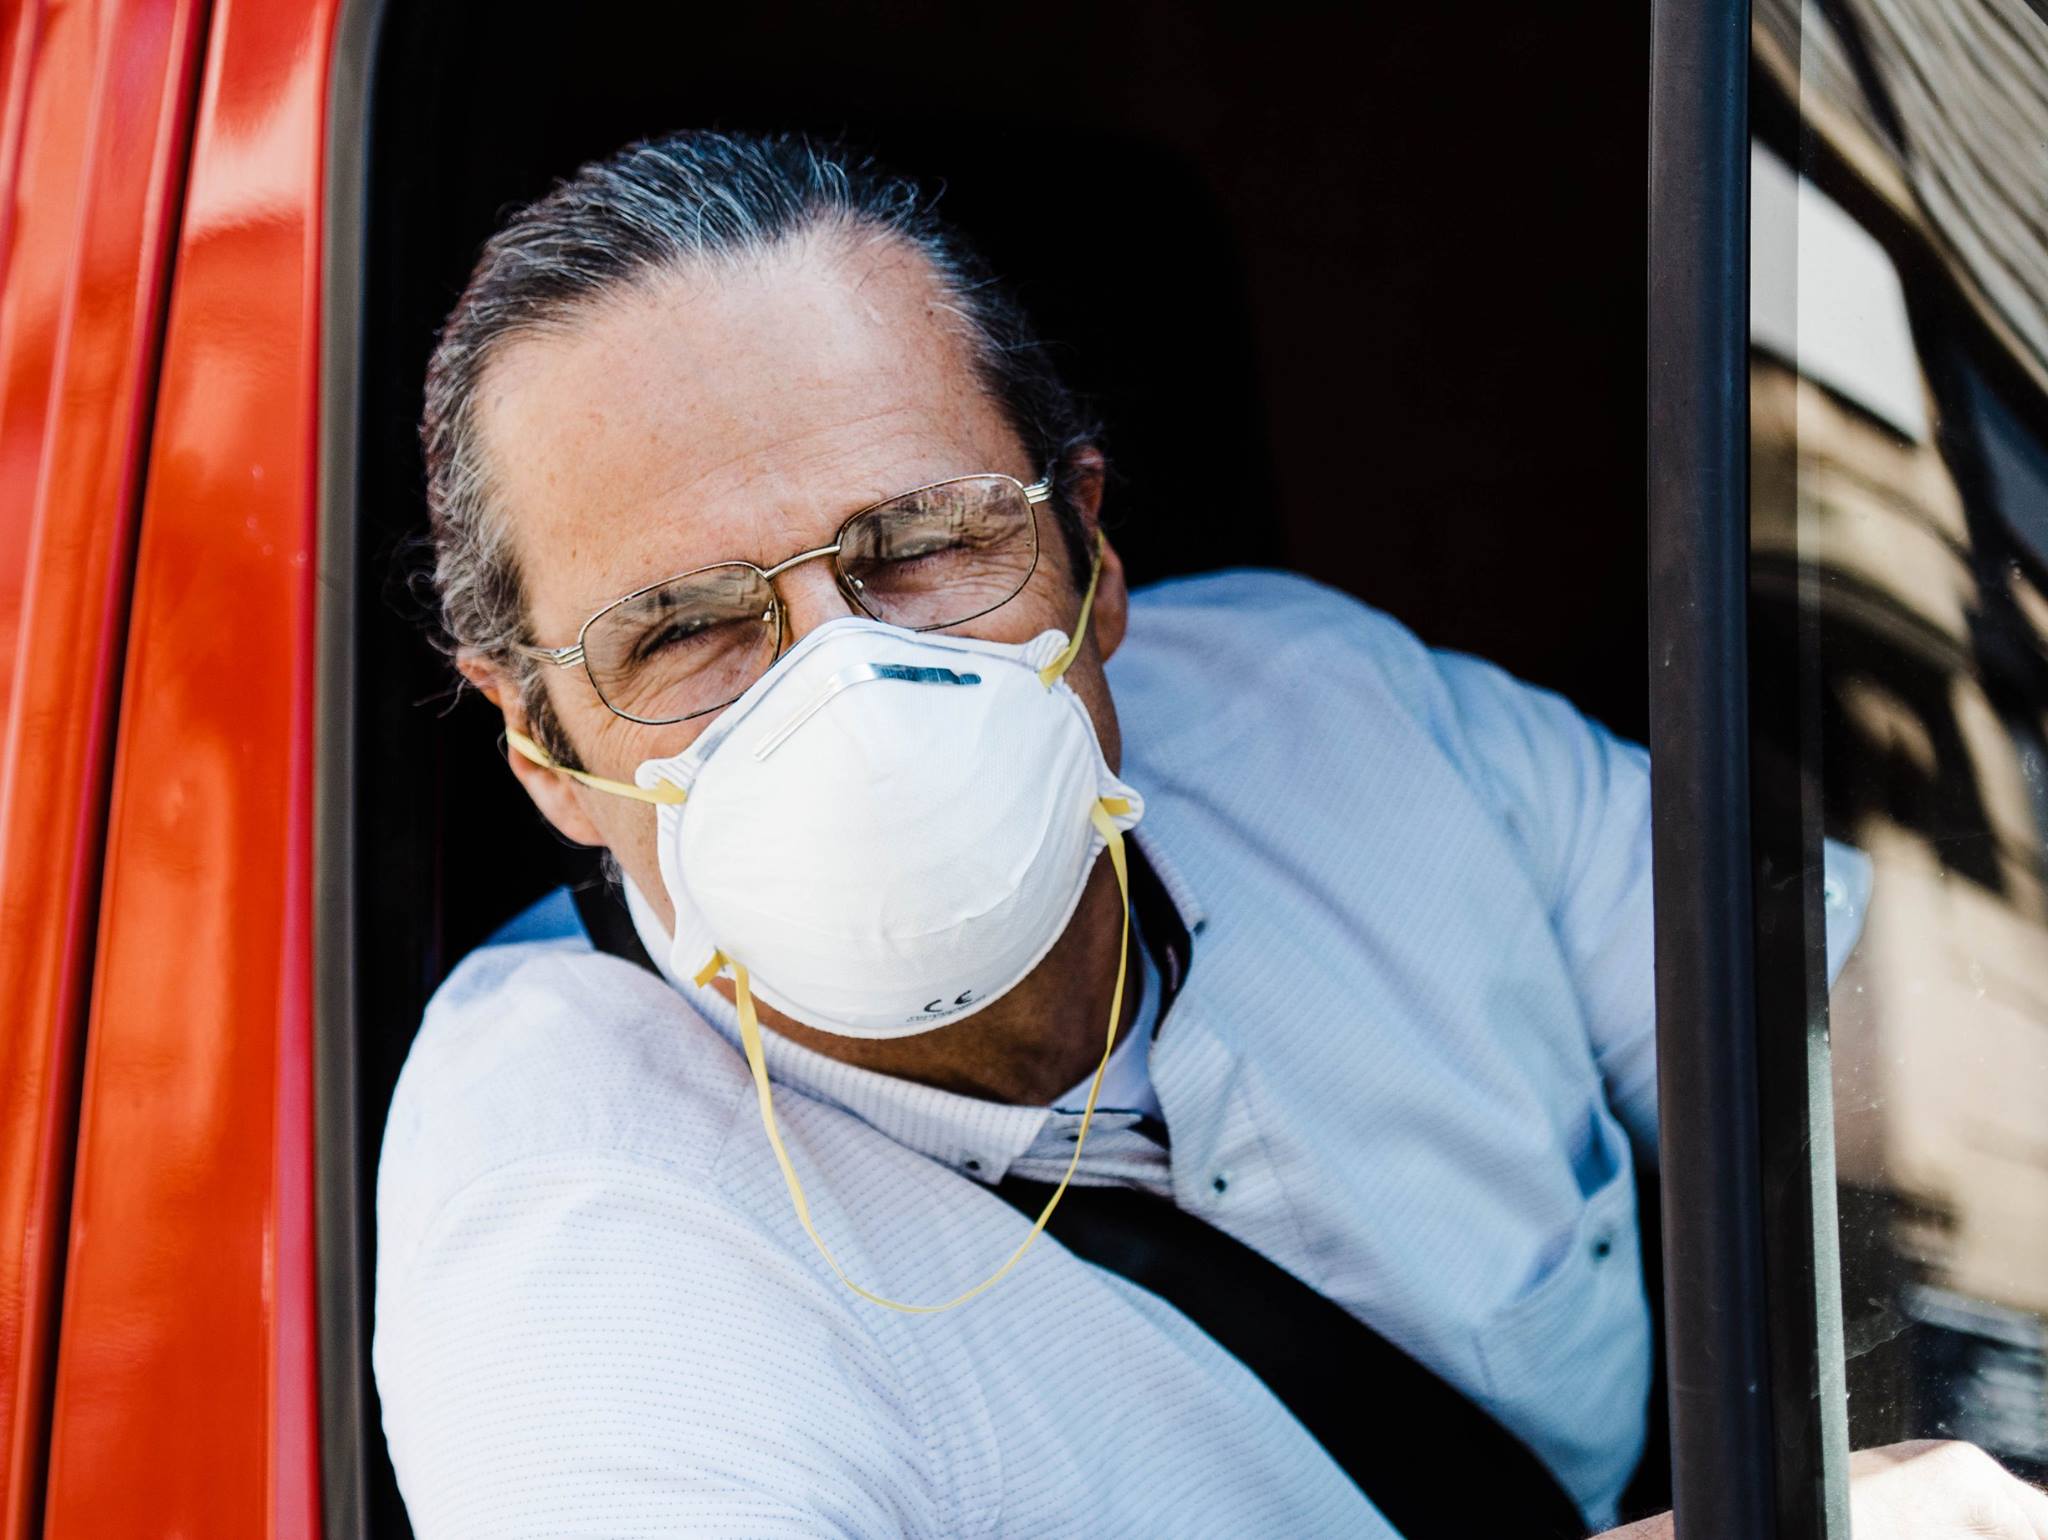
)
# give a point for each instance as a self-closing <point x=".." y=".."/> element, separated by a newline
<point x="1411" y="1047"/>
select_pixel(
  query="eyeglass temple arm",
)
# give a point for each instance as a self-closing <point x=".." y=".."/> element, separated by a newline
<point x="561" y="657"/>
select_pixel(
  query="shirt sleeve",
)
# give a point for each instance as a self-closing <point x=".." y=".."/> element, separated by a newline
<point x="1577" y="799"/>
<point x="588" y="1343"/>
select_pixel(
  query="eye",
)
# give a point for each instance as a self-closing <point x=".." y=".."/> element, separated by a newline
<point x="922" y="540"/>
<point x="911" y="532"/>
<point x="681" y="633"/>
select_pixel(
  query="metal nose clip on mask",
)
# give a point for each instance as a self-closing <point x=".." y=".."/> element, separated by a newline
<point x="884" y="835"/>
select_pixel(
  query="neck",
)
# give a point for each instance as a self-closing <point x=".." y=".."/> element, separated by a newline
<point x="1026" y="1048"/>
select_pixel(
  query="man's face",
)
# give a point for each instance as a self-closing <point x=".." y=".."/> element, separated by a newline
<point x="741" y="415"/>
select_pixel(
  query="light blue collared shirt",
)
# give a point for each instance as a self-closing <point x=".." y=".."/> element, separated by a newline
<point x="1406" y="1063"/>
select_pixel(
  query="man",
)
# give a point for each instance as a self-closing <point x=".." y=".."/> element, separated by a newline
<point x="761" y="514"/>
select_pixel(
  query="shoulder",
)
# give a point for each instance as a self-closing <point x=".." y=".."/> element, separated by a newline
<point x="1249" y="608"/>
<point x="547" y="1050"/>
<point x="1277" y="658"/>
<point x="1240" y="638"/>
<point x="1233" y="684"/>
<point x="572" y="1313"/>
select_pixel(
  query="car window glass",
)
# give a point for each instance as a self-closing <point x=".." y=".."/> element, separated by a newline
<point x="1899" y="649"/>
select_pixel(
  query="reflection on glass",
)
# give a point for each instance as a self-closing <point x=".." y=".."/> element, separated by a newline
<point x="1899" y="415"/>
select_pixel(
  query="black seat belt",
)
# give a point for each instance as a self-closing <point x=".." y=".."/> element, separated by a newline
<point x="1433" y="1462"/>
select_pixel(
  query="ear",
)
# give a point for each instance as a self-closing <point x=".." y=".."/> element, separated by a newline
<point x="1112" y="610"/>
<point x="557" y="797"/>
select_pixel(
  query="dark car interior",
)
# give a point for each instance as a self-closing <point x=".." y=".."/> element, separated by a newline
<point x="1358" y="291"/>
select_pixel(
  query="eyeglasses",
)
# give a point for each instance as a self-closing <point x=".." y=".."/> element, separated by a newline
<point x="938" y="555"/>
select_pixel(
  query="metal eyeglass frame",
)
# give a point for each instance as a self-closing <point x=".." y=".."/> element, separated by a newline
<point x="573" y="655"/>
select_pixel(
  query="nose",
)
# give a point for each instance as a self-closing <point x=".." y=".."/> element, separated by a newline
<point x="811" y="596"/>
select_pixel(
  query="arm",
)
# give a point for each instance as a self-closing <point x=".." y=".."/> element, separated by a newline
<point x="1920" y="1491"/>
<point x="590" y="1344"/>
<point x="1577" y="799"/>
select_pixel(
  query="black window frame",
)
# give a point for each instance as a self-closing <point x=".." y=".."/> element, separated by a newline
<point x="1745" y="1433"/>
<point x="1752" y="1291"/>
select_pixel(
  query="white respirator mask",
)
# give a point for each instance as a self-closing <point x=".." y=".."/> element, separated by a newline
<point x="889" y="830"/>
<point x="886" y="833"/>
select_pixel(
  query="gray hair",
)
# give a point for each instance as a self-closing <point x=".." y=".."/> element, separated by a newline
<point x="657" y="207"/>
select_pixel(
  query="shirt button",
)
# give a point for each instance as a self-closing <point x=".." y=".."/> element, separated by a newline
<point x="1220" y="1182"/>
<point x="972" y="1164"/>
<point x="1603" y="1247"/>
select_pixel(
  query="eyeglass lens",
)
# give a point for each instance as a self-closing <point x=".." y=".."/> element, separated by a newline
<point x="931" y="558"/>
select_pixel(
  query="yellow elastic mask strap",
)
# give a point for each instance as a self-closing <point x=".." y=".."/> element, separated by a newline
<point x="750" y="1039"/>
<point x="664" y="793"/>
<point x="1049" y="675"/>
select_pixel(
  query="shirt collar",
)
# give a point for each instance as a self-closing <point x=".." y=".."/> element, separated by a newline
<point x="978" y="1138"/>
<point x="1153" y="856"/>
<point x="1168" y="917"/>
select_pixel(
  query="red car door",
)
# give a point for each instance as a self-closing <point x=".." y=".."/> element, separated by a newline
<point x="161" y="167"/>
<point x="92" y="148"/>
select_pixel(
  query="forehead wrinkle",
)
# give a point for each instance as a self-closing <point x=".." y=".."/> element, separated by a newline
<point x="842" y="377"/>
<point x="930" y="417"/>
<point x="846" y="497"/>
<point x="605" y="328"/>
<point x="793" y="454"/>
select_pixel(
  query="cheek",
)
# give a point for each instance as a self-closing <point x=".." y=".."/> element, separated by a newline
<point x="1088" y="682"/>
<point x="614" y="747"/>
<point x="632" y="840"/>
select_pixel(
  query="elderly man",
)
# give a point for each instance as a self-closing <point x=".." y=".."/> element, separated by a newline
<point x="959" y="884"/>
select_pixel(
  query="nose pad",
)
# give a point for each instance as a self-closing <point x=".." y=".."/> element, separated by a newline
<point x="810" y="596"/>
<point x="849" y="589"/>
